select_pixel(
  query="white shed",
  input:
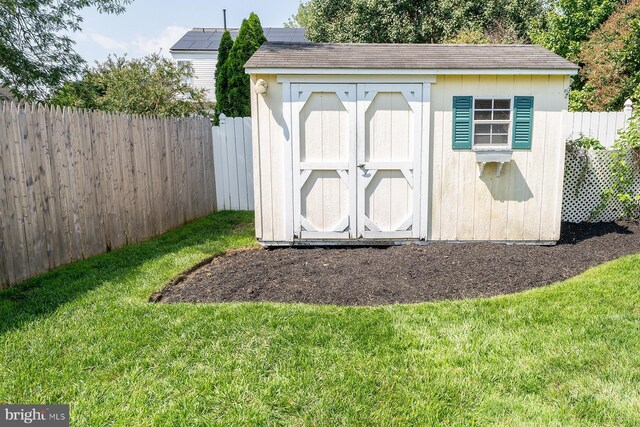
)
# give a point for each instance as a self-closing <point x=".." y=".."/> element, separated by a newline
<point x="372" y="143"/>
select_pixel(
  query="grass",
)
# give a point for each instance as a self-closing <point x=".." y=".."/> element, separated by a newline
<point x="84" y="334"/>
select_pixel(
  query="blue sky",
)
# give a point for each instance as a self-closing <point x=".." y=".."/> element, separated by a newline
<point x="148" y="26"/>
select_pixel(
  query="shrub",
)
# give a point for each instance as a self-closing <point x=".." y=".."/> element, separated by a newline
<point x="152" y="85"/>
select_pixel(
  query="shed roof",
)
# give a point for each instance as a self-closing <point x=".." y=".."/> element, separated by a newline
<point x="206" y="39"/>
<point x="406" y="56"/>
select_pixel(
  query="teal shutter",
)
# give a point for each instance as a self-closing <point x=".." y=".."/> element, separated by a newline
<point x="522" y="122"/>
<point x="462" y="118"/>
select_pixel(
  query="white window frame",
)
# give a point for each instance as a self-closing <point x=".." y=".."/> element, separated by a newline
<point x="491" y="147"/>
<point x="189" y="62"/>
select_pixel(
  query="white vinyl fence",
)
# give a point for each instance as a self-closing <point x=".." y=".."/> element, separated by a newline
<point x="233" y="163"/>
<point x="602" y="126"/>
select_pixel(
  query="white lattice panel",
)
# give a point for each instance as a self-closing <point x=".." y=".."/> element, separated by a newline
<point x="583" y="190"/>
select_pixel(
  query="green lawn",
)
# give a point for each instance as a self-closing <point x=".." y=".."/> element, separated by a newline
<point x="567" y="354"/>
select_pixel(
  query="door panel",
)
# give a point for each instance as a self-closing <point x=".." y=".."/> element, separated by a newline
<point x="324" y="181"/>
<point x="389" y="135"/>
<point x="323" y="134"/>
<point x="325" y="202"/>
<point x="388" y="128"/>
<point x="388" y="201"/>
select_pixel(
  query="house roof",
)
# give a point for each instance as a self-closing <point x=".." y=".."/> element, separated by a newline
<point x="406" y="56"/>
<point x="208" y="39"/>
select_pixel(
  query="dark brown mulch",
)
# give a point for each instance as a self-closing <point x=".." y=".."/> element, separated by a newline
<point x="400" y="274"/>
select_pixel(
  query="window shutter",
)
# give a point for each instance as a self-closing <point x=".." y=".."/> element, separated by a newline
<point x="522" y="122"/>
<point x="462" y="118"/>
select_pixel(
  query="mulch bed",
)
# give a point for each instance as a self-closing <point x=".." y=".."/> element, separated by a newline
<point x="400" y="274"/>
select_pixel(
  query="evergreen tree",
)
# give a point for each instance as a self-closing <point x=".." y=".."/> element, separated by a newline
<point x="250" y="38"/>
<point x="222" y="78"/>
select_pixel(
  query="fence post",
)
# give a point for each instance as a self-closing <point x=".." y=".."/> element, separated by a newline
<point x="225" y="161"/>
<point x="628" y="109"/>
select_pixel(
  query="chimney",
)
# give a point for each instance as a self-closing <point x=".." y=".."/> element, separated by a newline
<point x="224" y="16"/>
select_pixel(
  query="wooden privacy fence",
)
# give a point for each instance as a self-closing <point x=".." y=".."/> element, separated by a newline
<point x="602" y="126"/>
<point x="233" y="163"/>
<point x="76" y="183"/>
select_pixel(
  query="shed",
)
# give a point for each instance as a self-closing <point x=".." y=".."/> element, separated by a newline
<point x="370" y="143"/>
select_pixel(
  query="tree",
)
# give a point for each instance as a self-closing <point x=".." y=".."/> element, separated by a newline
<point x="250" y="38"/>
<point x="151" y="85"/>
<point x="36" y="53"/>
<point x="300" y="19"/>
<point x="611" y="58"/>
<point x="567" y="23"/>
<point x="221" y="76"/>
<point x="416" y="21"/>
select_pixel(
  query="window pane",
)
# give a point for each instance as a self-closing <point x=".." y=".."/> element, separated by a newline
<point x="502" y="128"/>
<point x="502" y="104"/>
<point x="499" y="139"/>
<point x="482" y="128"/>
<point x="482" y="115"/>
<point x="483" y="104"/>
<point x="482" y="139"/>
<point x="501" y="115"/>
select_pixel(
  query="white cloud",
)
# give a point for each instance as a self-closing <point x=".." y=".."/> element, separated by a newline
<point x="108" y="43"/>
<point x="94" y="46"/>
<point x="159" y="43"/>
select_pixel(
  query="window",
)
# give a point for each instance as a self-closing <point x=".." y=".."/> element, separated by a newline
<point x="491" y="123"/>
<point x="185" y="63"/>
<point x="501" y="123"/>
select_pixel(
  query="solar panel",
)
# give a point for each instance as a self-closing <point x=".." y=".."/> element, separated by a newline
<point x="209" y="38"/>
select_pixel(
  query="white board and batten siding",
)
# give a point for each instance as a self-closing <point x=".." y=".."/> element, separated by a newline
<point x="455" y="203"/>
<point x="232" y="156"/>
<point x="524" y="203"/>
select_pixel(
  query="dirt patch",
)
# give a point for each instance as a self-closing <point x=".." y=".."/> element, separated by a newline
<point x="400" y="274"/>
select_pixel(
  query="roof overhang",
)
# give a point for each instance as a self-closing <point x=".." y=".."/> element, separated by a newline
<point x="192" y="50"/>
<point x="408" y="72"/>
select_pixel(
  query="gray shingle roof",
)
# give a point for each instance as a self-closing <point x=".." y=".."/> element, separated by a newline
<point x="209" y="38"/>
<point x="406" y="56"/>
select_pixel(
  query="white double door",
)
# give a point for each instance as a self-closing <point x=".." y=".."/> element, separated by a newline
<point x="356" y="160"/>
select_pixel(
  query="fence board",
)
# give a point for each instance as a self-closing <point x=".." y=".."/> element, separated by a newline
<point x="7" y="270"/>
<point x="33" y="170"/>
<point x="233" y="158"/>
<point x="248" y="160"/>
<point x="52" y="187"/>
<point x="603" y="126"/>
<point x="218" y="166"/>
<point x="75" y="183"/>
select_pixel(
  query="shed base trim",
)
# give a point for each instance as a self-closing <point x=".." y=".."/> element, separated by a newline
<point x="396" y="242"/>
